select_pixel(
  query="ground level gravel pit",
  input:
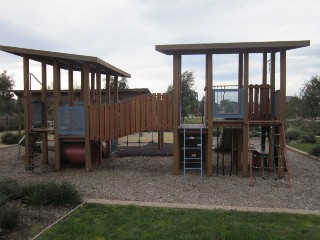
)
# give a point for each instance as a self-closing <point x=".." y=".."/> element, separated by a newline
<point x="150" y="179"/>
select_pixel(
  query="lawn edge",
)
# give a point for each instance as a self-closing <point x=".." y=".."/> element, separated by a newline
<point x="57" y="221"/>
<point x="205" y="207"/>
<point x="303" y="153"/>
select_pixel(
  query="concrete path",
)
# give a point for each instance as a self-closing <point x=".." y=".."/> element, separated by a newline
<point x="206" y="207"/>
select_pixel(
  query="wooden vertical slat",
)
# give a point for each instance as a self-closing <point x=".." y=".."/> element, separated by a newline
<point x="143" y="126"/>
<point x="102" y="122"/>
<point x="245" y="148"/>
<point x="251" y="101"/>
<point x="149" y="112"/>
<point x="170" y="111"/>
<point x="91" y="117"/>
<point x="138" y="106"/>
<point x="122" y="120"/>
<point x="159" y="113"/>
<point x="256" y="101"/>
<point x="127" y="117"/>
<point x="164" y="109"/>
<point x="133" y="115"/>
<point x="262" y="101"/>
<point x="267" y="95"/>
<point x="154" y="112"/>
<point x="107" y="122"/>
<point x="97" y="122"/>
<point x="116" y="120"/>
<point x="111" y="123"/>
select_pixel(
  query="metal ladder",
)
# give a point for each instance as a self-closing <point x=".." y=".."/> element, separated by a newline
<point x="198" y="147"/>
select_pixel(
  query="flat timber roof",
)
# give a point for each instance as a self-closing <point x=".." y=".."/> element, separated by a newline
<point x="231" y="48"/>
<point x="65" y="59"/>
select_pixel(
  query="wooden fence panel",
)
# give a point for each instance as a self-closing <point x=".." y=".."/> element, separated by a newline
<point x="159" y="113"/>
<point x="116" y="120"/>
<point x="91" y="127"/>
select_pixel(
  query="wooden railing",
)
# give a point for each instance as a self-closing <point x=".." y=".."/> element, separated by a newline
<point x="149" y="112"/>
<point x="259" y="102"/>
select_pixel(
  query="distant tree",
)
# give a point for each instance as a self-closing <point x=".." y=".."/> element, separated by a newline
<point x="293" y="108"/>
<point x="310" y="96"/>
<point x="7" y="102"/>
<point x="189" y="97"/>
<point x="122" y="83"/>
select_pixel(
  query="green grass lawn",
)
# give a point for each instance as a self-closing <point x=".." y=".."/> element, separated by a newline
<point x="305" y="147"/>
<point x="94" y="221"/>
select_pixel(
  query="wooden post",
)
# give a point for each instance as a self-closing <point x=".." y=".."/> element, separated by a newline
<point x="116" y="90"/>
<point x="82" y="84"/>
<point x="98" y="102"/>
<point x="70" y="81"/>
<point x="209" y="113"/>
<point x="176" y="111"/>
<point x="273" y="70"/>
<point x="56" y="88"/>
<point x="86" y="97"/>
<point x="264" y="68"/>
<point x="28" y="148"/>
<point x="108" y="89"/>
<point x="240" y="71"/>
<point x="45" y="116"/>
<point x="282" y="113"/>
<point x="245" y="117"/>
<point x="92" y="88"/>
<point x="19" y="113"/>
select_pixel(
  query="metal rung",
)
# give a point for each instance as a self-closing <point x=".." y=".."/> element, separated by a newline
<point x="192" y="158"/>
<point x="193" y="168"/>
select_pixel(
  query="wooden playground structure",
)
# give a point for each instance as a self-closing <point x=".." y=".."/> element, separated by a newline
<point x="84" y="127"/>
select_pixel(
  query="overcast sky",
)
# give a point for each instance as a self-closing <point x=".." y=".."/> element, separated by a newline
<point x="124" y="33"/>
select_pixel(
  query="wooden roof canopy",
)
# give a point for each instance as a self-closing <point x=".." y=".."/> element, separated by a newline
<point x="65" y="59"/>
<point x="231" y="48"/>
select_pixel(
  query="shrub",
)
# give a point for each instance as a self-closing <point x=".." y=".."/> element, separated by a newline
<point x="44" y="193"/>
<point x="315" y="151"/>
<point x="9" y="189"/>
<point x="10" y="138"/>
<point x="9" y="217"/>
<point x="293" y="134"/>
<point x="308" y="138"/>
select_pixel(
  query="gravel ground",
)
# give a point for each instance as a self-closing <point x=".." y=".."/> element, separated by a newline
<point x="150" y="179"/>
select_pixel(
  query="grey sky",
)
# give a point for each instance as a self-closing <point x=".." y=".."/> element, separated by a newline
<point x="125" y="32"/>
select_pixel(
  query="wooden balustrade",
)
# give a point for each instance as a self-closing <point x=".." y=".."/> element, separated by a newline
<point x="149" y="112"/>
<point x="259" y="102"/>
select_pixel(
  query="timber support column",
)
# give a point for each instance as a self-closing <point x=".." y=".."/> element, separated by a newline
<point x="209" y="113"/>
<point x="45" y="115"/>
<point x="57" y="94"/>
<point x="245" y="154"/>
<point x="282" y="113"/>
<point x="27" y="113"/>
<point x="176" y="111"/>
<point x="86" y="97"/>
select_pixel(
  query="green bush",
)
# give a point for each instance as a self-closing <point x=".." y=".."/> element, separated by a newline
<point x="44" y="193"/>
<point x="308" y="138"/>
<point x="10" y="138"/>
<point x="9" y="189"/>
<point x="293" y="134"/>
<point x="9" y="217"/>
<point x="315" y="151"/>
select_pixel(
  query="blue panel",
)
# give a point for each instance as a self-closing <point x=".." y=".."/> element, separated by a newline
<point x="228" y="103"/>
<point x="71" y="121"/>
